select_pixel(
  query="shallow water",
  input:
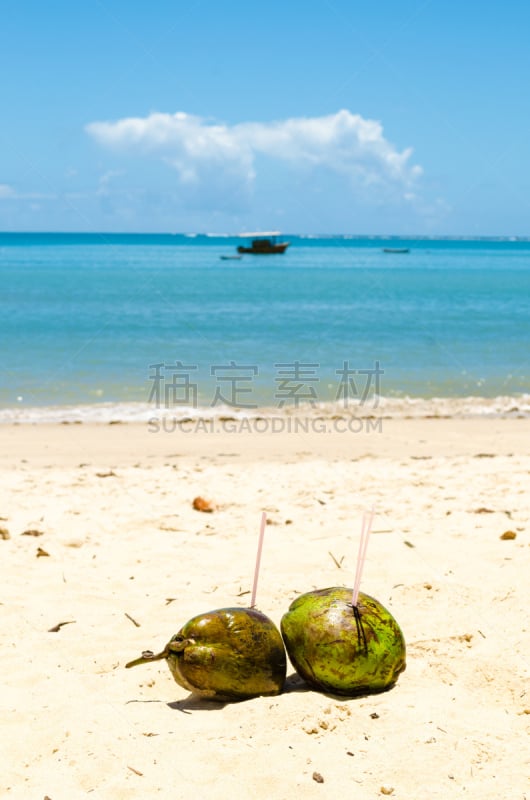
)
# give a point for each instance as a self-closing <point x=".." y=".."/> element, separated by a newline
<point x="86" y="319"/>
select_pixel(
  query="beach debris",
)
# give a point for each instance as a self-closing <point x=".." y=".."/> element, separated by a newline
<point x="32" y="532"/>
<point x="507" y="535"/>
<point x="109" y="474"/>
<point x="225" y="655"/>
<point x="41" y="553"/>
<point x="483" y="510"/>
<point x="4" y="533"/>
<point x="134" y="622"/>
<point x="201" y="504"/>
<point x="386" y="790"/>
<point x="57" y="628"/>
<point x="338" y="564"/>
<point x="331" y="716"/>
<point x="344" y="641"/>
<point x="318" y="777"/>
<point x="136" y="771"/>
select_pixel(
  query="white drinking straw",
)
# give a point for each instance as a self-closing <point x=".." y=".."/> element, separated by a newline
<point x="361" y="557"/>
<point x="258" y="558"/>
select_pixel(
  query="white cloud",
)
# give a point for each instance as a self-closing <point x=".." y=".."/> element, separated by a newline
<point x="6" y="191"/>
<point x="343" y="143"/>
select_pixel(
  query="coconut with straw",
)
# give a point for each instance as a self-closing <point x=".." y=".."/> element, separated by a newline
<point x="227" y="654"/>
<point x="343" y="641"/>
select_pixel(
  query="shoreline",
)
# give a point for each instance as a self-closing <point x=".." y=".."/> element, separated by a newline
<point x="407" y="407"/>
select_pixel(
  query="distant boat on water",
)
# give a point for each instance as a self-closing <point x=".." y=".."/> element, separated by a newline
<point x="263" y="244"/>
<point x="396" y="250"/>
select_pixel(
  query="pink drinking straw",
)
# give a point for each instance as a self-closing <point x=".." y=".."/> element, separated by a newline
<point x="258" y="558"/>
<point x="361" y="557"/>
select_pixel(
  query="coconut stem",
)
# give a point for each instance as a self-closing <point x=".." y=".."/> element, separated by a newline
<point x="258" y="558"/>
<point x="361" y="557"/>
<point x="146" y="657"/>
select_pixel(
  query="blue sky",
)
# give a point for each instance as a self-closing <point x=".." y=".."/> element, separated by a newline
<point x="328" y="116"/>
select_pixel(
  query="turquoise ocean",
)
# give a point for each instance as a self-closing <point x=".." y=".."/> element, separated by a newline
<point x="111" y="326"/>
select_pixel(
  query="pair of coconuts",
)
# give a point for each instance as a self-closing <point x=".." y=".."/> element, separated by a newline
<point x="235" y="654"/>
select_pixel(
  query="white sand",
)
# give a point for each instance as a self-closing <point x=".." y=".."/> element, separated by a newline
<point x="75" y="723"/>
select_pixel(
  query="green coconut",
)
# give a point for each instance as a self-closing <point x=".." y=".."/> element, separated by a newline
<point x="225" y="655"/>
<point x="338" y="648"/>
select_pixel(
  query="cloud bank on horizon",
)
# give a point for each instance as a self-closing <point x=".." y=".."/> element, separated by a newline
<point x="345" y="144"/>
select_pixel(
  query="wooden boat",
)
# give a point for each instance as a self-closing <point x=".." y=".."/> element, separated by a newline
<point x="263" y="244"/>
<point x="396" y="250"/>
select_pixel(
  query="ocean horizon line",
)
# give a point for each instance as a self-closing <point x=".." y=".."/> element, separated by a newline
<point x="299" y="235"/>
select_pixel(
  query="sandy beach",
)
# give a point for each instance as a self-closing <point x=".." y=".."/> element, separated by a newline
<point x="100" y="533"/>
